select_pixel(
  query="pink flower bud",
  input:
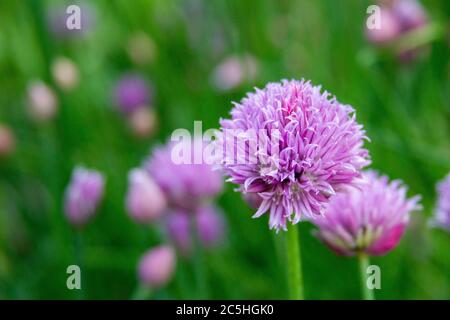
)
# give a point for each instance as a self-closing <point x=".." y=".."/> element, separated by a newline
<point x="65" y="73"/>
<point x="145" y="201"/>
<point x="157" y="266"/>
<point x="389" y="28"/>
<point x="83" y="195"/>
<point x="42" y="101"/>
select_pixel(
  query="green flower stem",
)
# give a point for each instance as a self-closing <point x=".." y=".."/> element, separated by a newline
<point x="363" y="261"/>
<point x="79" y="258"/>
<point x="294" y="265"/>
<point x="198" y="262"/>
<point x="141" y="293"/>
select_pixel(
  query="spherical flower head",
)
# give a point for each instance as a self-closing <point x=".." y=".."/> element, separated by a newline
<point x="210" y="225"/>
<point x="157" y="266"/>
<point x="131" y="93"/>
<point x="145" y="201"/>
<point x="83" y="195"/>
<point x="442" y="212"/>
<point x="369" y="219"/>
<point x="303" y="147"/>
<point x="179" y="230"/>
<point x="186" y="185"/>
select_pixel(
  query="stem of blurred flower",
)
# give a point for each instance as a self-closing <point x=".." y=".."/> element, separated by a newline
<point x="198" y="264"/>
<point x="420" y="36"/>
<point x="363" y="261"/>
<point x="294" y="265"/>
<point x="79" y="258"/>
<point x="141" y="293"/>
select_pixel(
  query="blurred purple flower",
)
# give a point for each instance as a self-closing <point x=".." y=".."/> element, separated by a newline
<point x="145" y="201"/>
<point x="233" y="71"/>
<point x="83" y="195"/>
<point x="157" y="266"/>
<point x="389" y="28"/>
<point x="369" y="219"/>
<point x="398" y="17"/>
<point x="210" y="225"/>
<point x="57" y="19"/>
<point x="410" y="14"/>
<point x="186" y="186"/>
<point x="180" y="231"/>
<point x="318" y="149"/>
<point x="442" y="212"/>
<point x="131" y="93"/>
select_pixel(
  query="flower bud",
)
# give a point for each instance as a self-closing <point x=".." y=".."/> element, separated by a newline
<point x="388" y="30"/>
<point x="131" y="93"/>
<point x="210" y="226"/>
<point x="157" y="266"/>
<point x="83" y="195"/>
<point x="179" y="231"/>
<point x="145" y="201"/>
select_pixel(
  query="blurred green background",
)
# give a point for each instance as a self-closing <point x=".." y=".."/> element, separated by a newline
<point x="404" y="108"/>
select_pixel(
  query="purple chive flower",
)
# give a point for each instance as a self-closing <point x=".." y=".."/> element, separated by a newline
<point x="145" y="201"/>
<point x="157" y="266"/>
<point x="83" y="195"/>
<point x="186" y="185"/>
<point x="442" y="212"/>
<point x="308" y="146"/>
<point x="131" y="93"/>
<point x="369" y="219"/>
<point x="210" y="226"/>
<point x="179" y="230"/>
